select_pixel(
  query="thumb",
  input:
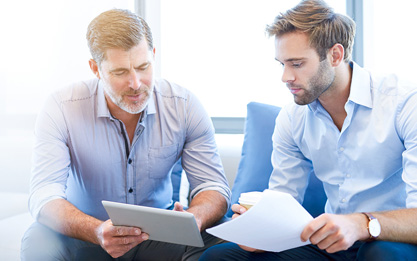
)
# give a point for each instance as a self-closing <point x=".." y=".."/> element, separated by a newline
<point x="178" y="206"/>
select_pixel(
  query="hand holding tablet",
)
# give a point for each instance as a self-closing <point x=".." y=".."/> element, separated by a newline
<point x="160" y="224"/>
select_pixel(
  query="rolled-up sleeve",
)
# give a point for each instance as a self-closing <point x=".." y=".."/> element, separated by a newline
<point x="200" y="158"/>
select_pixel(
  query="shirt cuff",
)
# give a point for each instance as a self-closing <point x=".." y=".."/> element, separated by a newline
<point x="41" y="196"/>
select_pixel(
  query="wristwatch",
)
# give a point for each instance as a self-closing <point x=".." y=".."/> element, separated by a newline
<point x="374" y="228"/>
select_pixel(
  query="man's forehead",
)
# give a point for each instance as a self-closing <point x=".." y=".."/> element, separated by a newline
<point x="293" y="46"/>
<point x="118" y="57"/>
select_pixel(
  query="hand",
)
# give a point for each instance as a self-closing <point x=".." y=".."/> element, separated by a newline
<point x="334" y="233"/>
<point x="238" y="210"/>
<point x="179" y="207"/>
<point x="117" y="240"/>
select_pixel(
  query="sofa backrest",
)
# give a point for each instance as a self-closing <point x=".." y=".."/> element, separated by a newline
<point x="255" y="165"/>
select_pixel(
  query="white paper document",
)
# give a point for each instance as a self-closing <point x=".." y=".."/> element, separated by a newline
<point x="274" y="224"/>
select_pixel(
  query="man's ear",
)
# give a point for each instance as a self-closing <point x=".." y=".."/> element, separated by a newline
<point x="94" y="68"/>
<point x="337" y="53"/>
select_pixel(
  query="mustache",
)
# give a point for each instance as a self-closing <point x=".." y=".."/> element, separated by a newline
<point x="138" y="92"/>
<point x="291" y="85"/>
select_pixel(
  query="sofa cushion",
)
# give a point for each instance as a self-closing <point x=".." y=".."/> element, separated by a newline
<point x="255" y="165"/>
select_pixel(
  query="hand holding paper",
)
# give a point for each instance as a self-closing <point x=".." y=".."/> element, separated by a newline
<point x="274" y="224"/>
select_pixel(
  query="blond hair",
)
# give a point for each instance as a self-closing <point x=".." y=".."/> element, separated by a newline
<point x="324" y="27"/>
<point x="116" y="28"/>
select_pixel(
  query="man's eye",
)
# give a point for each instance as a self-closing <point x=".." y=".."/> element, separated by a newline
<point x="119" y="73"/>
<point x="143" y="68"/>
<point x="296" y="65"/>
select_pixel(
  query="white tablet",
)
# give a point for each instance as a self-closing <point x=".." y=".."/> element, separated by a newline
<point x="160" y="224"/>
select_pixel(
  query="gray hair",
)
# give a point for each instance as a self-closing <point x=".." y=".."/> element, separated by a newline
<point x="116" y="28"/>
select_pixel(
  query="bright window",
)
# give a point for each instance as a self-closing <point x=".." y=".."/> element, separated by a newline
<point x="218" y="49"/>
<point x="43" y="48"/>
<point x="390" y="38"/>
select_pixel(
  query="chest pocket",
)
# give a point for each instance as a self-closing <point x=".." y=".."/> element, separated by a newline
<point x="161" y="160"/>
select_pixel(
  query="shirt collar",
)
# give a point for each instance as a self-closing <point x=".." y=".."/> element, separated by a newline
<point x="151" y="104"/>
<point x="360" y="87"/>
<point x="102" y="109"/>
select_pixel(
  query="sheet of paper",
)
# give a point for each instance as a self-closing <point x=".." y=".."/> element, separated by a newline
<point x="274" y="224"/>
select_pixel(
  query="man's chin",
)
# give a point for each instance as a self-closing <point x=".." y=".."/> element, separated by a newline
<point x="133" y="109"/>
<point x="300" y="102"/>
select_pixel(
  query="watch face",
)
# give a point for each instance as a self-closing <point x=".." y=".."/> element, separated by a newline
<point x="374" y="228"/>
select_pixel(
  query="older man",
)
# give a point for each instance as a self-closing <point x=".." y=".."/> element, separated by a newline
<point x="117" y="137"/>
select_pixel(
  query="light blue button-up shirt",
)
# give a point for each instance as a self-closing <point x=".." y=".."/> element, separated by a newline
<point x="82" y="153"/>
<point x="370" y="165"/>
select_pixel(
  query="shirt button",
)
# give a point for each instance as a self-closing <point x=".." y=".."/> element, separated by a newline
<point x="343" y="200"/>
<point x="130" y="190"/>
<point x="129" y="161"/>
<point x="347" y="175"/>
<point x="342" y="149"/>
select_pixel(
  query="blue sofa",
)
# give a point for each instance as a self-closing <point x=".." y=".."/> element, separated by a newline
<point x="255" y="165"/>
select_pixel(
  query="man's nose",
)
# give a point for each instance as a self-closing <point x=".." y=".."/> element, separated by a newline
<point x="287" y="75"/>
<point x="135" y="80"/>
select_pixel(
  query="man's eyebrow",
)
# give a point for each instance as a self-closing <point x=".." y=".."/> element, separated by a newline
<point x="118" y="69"/>
<point x="291" y="60"/>
<point x="142" y="65"/>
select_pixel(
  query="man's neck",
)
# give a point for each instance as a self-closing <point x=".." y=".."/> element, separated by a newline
<point x="130" y="120"/>
<point x="334" y="101"/>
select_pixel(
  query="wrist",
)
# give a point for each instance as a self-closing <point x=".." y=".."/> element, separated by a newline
<point x="362" y="226"/>
<point x="97" y="235"/>
<point x="373" y="226"/>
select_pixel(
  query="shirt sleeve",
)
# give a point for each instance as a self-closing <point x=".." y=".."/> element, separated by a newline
<point x="407" y="129"/>
<point x="51" y="158"/>
<point x="200" y="157"/>
<point x="291" y="169"/>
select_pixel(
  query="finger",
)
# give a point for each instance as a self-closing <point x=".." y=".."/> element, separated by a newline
<point x="178" y="207"/>
<point x="126" y="231"/>
<point x="326" y="237"/>
<point x="312" y="228"/>
<point x="144" y="237"/>
<point x="238" y="209"/>
<point x="127" y="240"/>
<point x="327" y="241"/>
<point x="338" y="246"/>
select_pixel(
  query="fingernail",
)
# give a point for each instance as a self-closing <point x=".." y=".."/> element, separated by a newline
<point x="137" y="232"/>
<point x="145" y="237"/>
